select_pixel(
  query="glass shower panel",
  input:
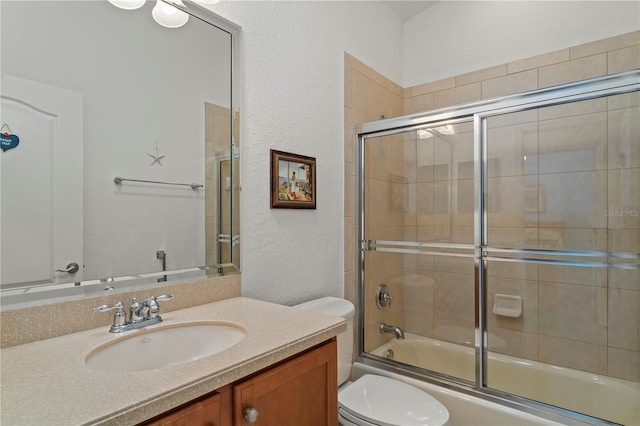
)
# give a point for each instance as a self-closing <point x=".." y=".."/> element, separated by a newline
<point x="418" y="224"/>
<point x="388" y="185"/>
<point x="563" y="317"/>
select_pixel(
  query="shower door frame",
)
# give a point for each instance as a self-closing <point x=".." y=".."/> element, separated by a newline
<point x="479" y="112"/>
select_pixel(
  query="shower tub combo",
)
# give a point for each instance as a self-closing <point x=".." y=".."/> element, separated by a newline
<point x="517" y="220"/>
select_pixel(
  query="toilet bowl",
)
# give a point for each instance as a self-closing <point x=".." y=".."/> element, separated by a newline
<point x="374" y="400"/>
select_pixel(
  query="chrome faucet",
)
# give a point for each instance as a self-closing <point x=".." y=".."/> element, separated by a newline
<point x="394" y="329"/>
<point x="140" y="314"/>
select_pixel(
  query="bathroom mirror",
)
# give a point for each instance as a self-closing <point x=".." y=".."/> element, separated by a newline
<point x="120" y="152"/>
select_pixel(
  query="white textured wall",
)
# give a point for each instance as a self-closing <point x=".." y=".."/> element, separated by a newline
<point x="455" y="37"/>
<point x="292" y="82"/>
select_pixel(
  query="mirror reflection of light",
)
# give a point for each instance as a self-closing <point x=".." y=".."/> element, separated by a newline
<point x="169" y="16"/>
<point x="424" y="134"/>
<point x="127" y="4"/>
<point x="369" y="406"/>
<point x="165" y="14"/>
<point x="442" y="130"/>
<point x="446" y="130"/>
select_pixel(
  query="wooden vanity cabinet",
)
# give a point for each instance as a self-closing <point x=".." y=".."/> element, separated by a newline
<point x="209" y="410"/>
<point x="301" y="390"/>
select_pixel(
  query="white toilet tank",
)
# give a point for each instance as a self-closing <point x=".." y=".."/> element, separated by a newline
<point x="339" y="308"/>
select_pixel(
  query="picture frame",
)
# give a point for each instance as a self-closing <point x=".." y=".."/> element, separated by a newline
<point x="293" y="181"/>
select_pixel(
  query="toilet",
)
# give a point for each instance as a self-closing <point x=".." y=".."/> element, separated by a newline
<point x="374" y="400"/>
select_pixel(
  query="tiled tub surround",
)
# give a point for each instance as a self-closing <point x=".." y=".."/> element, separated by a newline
<point x="53" y="372"/>
<point x="556" y="175"/>
<point x="217" y="135"/>
<point x="601" y="331"/>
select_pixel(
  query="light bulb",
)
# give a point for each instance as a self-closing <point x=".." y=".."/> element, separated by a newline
<point x="424" y="134"/>
<point x="168" y="15"/>
<point x="446" y="130"/>
<point x="127" y="4"/>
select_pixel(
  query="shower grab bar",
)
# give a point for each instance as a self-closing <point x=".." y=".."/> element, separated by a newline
<point x="408" y="247"/>
<point x="226" y="238"/>
<point x="417" y="251"/>
<point x="377" y="245"/>
<point x="560" y="262"/>
<point x="575" y="253"/>
<point x="118" y="180"/>
<point x="419" y="244"/>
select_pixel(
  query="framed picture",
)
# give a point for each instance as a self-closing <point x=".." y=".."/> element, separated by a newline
<point x="293" y="181"/>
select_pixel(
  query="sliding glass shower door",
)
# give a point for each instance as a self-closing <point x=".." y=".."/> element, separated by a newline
<point x="508" y="235"/>
<point x="419" y="208"/>
<point x="562" y="249"/>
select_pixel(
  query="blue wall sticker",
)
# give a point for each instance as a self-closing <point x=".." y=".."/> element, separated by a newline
<point x="7" y="140"/>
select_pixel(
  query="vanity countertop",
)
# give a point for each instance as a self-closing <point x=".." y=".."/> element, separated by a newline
<point x="47" y="382"/>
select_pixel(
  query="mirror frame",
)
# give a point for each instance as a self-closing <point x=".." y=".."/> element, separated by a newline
<point x="90" y="288"/>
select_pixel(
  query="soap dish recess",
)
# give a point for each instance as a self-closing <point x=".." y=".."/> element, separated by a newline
<point x="507" y="306"/>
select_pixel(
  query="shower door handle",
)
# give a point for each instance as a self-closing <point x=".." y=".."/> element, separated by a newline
<point x="71" y="268"/>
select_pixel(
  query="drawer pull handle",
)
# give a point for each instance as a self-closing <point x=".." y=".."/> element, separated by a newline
<point x="251" y="415"/>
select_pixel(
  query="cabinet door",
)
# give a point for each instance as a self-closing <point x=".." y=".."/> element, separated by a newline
<point x="210" y="410"/>
<point x="301" y="391"/>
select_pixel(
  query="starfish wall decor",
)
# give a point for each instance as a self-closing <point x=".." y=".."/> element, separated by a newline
<point x="157" y="157"/>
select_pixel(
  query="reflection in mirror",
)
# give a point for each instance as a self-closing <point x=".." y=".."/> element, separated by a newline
<point x="119" y="149"/>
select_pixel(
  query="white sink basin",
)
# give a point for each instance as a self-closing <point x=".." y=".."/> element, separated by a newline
<point x="165" y="347"/>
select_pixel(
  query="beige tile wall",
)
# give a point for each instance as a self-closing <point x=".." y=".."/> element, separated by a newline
<point x="217" y="133"/>
<point x="216" y="130"/>
<point x="368" y="97"/>
<point x="608" y="56"/>
<point x="578" y="317"/>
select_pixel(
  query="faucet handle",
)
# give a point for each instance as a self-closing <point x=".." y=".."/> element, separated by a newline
<point x="119" y="318"/>
<point x="153" y="305"/>
<point x="383" y="296"/>
<point x="165" y="297"/>
<point x="105" y="308"/>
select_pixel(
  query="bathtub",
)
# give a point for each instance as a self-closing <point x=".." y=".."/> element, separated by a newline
<point x="599" y="396"/>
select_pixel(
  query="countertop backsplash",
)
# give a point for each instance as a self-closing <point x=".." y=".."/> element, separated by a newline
<point x="20" y="326"/>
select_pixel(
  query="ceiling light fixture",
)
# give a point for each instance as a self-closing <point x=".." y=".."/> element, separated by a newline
<point x="169" y="16"/>
<point x="165" y="13"/>
<point x="127" y="4"/>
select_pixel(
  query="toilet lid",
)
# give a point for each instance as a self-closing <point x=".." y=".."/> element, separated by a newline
<point x="387" y="402"/>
